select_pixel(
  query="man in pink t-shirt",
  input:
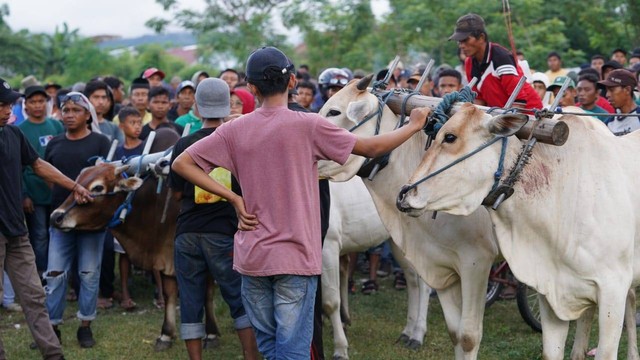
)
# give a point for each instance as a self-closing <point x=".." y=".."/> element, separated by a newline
<point x="273" y="152"/>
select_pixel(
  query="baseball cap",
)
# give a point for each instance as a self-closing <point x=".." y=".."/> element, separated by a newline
<point x="266" y="62"/>
<point x="559" y="81"/>
<point x="185" y="84"/>
<point x="213" y="98"/>
<point x="35" y="89"/>
<point x="7" y="95"/>
<point x="620" y="77"/>
<point x="151" y="71"/>
<point x="466" y="25"/>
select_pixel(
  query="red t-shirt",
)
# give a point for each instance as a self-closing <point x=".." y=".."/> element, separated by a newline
<point x="273" y="152"/>
<point x="498" y="75"/>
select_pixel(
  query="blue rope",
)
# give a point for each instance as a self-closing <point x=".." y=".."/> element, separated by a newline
<point x="498" y="174"/>
<point x="440" y="116"/>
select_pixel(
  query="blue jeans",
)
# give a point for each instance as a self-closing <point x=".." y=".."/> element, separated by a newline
<point x="9" y="296"/>
<point x="196" y="256"/>
<point x="63" y="249"/>
<point x="281" y="312"/>
<point x="39" y="235"/>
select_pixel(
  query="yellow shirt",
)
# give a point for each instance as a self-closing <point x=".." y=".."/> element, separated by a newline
<point x="552" y="75"/>
<point x="145" y="119"/>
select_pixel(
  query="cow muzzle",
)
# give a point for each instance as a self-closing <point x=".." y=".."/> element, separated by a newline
<point x="407" y="201"/>
<point x="59" y="220"/>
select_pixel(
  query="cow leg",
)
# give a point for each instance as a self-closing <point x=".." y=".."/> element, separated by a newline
<point x="330" y="282"/>
<point x="451" y="302"/>
<point x="630" y="321"/>
<point x="344" y="289"/>
<point x="418" y="303"/>
<point x="611" y="309"/>
<point x="473" y="283"/>
<point x="554" y="331"/>
<point x="170" y="287"/>
<point x="212" y="340"/>
<point x="581" y="340"/>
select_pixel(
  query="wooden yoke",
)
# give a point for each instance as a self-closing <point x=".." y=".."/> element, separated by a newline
<point x="547" y="131"/>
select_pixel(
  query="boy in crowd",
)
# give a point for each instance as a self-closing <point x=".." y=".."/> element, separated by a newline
<point x="449" y="81"/>
<point x="569" y="96"/>
<point x="100" y="96"/>
<point x="231" y="77"/>
<point x="306" y="92"/>
<point x="276" y="248"/>
<point x="185" y="99"/>
<point x="159" y="104"/>
<point x="139" y="97"/>
<point x="36" y="196"/>
<point x="588" y="95"/>
<point x="620" y="85"/>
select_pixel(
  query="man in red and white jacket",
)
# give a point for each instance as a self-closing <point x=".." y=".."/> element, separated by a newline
<point x="497" y="71"/>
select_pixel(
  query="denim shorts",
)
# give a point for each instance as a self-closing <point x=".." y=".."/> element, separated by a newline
<point x="196" y="256"/>
<point x="281" y="312"/>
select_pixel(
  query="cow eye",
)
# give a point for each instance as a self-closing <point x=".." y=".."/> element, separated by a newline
<point x="97" y="189"/>
<point x="333" y="113"/>
<point x="449" y="138"/>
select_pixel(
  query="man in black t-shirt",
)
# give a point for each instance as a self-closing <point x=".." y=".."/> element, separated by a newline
<point x="16" y="254"/>
<point x="204" y="234"/>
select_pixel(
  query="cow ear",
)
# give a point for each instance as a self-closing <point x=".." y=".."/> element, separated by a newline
<point x="507" y="124"/>
<point x="130" y="184"/>
<point x="358" y="110"/>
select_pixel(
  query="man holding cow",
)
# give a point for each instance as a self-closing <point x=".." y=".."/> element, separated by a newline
<point x="16" y="254"/>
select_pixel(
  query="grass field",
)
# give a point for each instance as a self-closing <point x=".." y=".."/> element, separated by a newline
<point x="377" y="322"/>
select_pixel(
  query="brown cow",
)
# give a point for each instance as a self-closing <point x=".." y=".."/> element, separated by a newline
<point x="147" y="240"/>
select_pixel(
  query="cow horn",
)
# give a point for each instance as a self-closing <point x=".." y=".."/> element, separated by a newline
<point x="364" y="82"/>
<point x="120" y="169"/>
<point x="99" y="161"/>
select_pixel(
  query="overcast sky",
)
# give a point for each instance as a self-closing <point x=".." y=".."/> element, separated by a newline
<point x="99" y="17"/>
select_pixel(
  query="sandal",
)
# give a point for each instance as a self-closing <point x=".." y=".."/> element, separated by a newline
<point x="128" y="304"/>
<point x="105" y="303"/>
<point x="400" y="283"/>
<point x="158" y="303"/>
<point x="351" y="287"/>
<point x="369" y="287"/>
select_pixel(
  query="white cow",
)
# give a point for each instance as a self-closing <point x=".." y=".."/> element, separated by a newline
<point x="354" y="226"/>
<point x="453" y="254"/>
<point x="571" y="229"/>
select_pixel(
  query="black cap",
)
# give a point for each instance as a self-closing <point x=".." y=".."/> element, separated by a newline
<point x="7" y="95"/>
<point x="35" y="89"/>
<point x="611" y="64"/>
<point x="466" y="25"/>
<point x="267" y="61"/>
<point x="140" y="83"/>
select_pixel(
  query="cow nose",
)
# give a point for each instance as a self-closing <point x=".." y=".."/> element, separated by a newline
<point x="57" y="218"/>
<point x="400" y="204"/>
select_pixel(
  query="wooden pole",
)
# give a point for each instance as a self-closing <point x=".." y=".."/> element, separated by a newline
<point x="547" y="131"/>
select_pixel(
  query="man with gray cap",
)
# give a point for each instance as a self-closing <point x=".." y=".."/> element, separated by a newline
<point x="495" y="67"/>
<point x="204" y="234"/>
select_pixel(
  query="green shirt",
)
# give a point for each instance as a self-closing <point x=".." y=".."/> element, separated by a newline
<point x="190" y="118"/>
<point x="597" y="110"/>
<point x="38" y="135"/>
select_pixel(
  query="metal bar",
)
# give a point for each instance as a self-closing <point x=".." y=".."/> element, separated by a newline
<point x="147" y="145"/>
<point x="112" y="150"/>
<point x="559" y="95"/>
<point x="187" y="130"/>
<point x="392" y="68"/>
<point x="473" y="82"/>
<point x="425" y="75"/>
<point x="515" y="92"/>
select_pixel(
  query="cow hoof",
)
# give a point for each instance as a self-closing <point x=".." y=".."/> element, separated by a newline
<point x="162" y="345"/>
<point x="413" y="344"/>
<point x="340" y="357"/>
<point x="403" y="340"/>
<point x="210" y="343"/>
